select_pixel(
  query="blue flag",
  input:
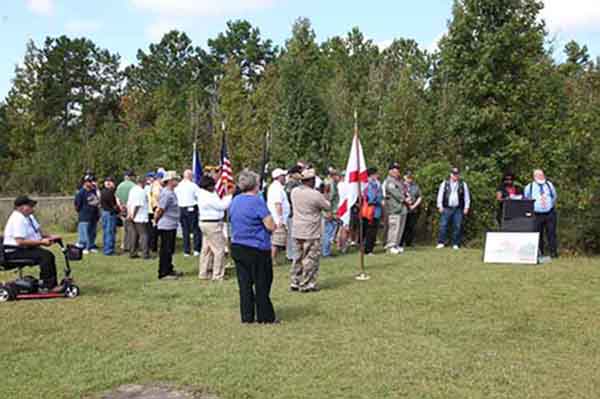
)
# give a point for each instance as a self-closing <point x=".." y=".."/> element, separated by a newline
<point x="196" y="165"/>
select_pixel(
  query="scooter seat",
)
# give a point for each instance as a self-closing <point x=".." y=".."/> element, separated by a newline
<point x="17" y="264"/>
<point x="8" y="264"/>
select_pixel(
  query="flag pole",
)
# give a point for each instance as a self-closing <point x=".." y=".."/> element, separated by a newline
<point x="362" y="276"/>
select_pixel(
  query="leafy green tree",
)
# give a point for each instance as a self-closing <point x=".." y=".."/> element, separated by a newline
<point x="174" y="63"/>
<point x="243" y="45"/>
<point x="300" y="129"/>
<point x="483" y="77"/>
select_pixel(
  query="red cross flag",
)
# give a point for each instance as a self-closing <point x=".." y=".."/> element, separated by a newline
<point x="356" y="174"/>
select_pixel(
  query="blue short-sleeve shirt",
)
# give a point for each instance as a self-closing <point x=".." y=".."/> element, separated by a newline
<point x="246" y="215"/>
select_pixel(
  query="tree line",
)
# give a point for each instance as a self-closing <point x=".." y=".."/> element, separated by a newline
<point x="491" y="98"/>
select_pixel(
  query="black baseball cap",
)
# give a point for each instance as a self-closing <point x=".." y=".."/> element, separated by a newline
<point x="394" y="165"/>
<point x="24" y="200"/>
<point x="88" y="178"/>
<point x="408" y="173"/>
<point x="455" y="171"/>
<point x="109" y="178"/>
<point x="129" y="173"/>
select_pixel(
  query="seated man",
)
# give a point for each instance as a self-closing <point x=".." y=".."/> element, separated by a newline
<point x="23" y="239"/>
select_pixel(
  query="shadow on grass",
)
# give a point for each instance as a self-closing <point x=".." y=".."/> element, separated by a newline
<point x="291" y="312"/>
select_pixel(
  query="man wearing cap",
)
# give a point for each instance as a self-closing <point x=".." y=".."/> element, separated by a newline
<point x="187" y="193"/>
<point x="413" y="202"/>
<point x="87" y="205"/>
<point x="279" y="207"/>
<point x="122" y="195"/>
<point x="308" y="204"/>
<point x="167" y="218"/>
<point x="395" y="209"/>
<point x="23" y="239"/>
<point x="137" y="216"/>
<point x="110" y="212"/>
<point x="453" y="202"/>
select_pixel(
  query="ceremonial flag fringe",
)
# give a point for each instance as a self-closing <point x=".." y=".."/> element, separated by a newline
<point x="356" y="172"/>
<point x="196" y="165"/>
<point x="225" y="179"/>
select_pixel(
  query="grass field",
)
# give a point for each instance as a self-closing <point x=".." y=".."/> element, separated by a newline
<point x="429" y="324"/>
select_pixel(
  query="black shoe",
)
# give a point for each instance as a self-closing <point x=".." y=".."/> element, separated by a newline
<point x="311" y="289"/>
<point x="276" y="321"/>
<point x="294" y="288"/>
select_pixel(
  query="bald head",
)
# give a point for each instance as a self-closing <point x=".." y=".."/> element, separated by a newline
<point x="539" y="175"/>
<point x="187" y="174"/>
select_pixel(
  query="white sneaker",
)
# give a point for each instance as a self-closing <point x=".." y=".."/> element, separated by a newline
<point x="185" y="255"/>
<point x="86" y="252"/>
<point x="94" y="250"/>
<point x="196" y="253"/>
<point x="400" y="249"/>
<point x="394" y="251"/>
<point x="440" y="246"/>
<point x="455" y="247"/>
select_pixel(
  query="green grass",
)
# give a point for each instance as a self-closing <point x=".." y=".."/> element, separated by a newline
<point x="429" y="324"/>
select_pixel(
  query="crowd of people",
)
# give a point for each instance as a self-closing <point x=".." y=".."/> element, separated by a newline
<point x="294" y="217"/>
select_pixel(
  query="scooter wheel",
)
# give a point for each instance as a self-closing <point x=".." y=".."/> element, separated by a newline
<point x="6" y="294"/>
<point x="72" y="291"/>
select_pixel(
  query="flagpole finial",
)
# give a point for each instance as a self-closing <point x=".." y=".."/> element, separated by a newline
<point x="223" y="125"/>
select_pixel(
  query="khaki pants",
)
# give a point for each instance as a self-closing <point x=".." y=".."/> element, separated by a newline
<point x="305" y="268"/>
<point x="212" y="256"/>
<point x="395" y="230"/>
<point x="138" y="238"/>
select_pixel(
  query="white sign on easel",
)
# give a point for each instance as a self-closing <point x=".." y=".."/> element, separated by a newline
<point x="520" y="248"/>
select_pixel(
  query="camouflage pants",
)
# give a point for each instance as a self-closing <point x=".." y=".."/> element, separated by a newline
<point x="305" y="268"/>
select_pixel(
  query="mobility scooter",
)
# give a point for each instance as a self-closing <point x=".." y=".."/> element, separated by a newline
<point x="28" y="287"/>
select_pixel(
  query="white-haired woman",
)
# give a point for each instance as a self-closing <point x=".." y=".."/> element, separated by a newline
<point x="251" y="226"/>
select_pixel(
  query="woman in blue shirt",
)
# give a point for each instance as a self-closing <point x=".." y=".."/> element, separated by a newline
<point x="251" y="228"/>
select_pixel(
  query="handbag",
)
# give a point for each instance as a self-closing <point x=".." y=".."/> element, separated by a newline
<point x="367" y="211"/>
<point x="74" y="253"/>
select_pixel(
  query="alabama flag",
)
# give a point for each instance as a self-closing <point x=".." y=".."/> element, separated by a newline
<point x="356" y="173"/>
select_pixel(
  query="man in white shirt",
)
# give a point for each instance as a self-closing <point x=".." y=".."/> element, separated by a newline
<point x="187" y="199"/>
<point x="279" y="206"/>
<point x="23" y="238"/>
<point x="137" y="217"/>
<point x="453" y="202"/>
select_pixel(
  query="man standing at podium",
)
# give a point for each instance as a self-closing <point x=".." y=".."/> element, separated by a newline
<point x="543" y="193"/>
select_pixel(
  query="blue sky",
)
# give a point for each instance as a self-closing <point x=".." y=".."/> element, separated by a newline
<point x="124" y="26"/>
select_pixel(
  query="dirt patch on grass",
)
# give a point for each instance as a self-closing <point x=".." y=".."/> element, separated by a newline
<point x="159" y="391"/>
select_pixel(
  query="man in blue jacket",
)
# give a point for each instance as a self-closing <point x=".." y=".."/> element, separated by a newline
<point x="87" y="205"/>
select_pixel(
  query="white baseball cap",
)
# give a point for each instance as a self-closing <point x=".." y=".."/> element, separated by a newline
<point x="278" y="173"/>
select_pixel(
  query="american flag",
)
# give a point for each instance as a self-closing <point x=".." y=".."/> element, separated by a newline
<point x="225" y="179"/>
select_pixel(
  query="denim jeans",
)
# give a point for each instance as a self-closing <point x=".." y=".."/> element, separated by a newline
<point x="109" y="231"/>
<point x="189" y="225"/>
<point x="83" y="229"/>
<point x="328" y="236"/>
<point x="291" y="252"/>
<point x="454" y="217"/>
<point x="92" y="230"/>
